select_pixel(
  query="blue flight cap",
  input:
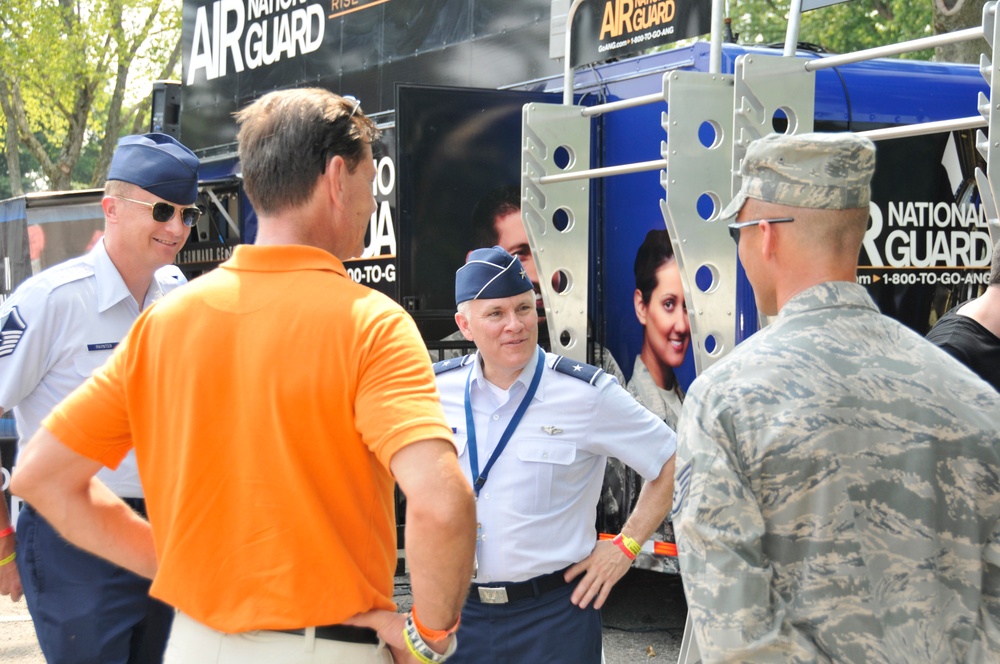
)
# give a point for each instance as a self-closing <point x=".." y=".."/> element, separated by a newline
<point x="159" y="164"/>
<point x="490" y="274"/>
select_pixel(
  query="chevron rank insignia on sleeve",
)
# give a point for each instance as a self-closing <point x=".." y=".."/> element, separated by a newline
<point x="12" y="327"/>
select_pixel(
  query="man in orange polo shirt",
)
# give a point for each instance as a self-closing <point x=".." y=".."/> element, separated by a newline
<point x="271" y="405"/>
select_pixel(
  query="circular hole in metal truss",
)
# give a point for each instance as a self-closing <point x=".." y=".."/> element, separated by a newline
<point x="562" y="220"/>
<point x="567" y="339"/>
<point x="708" y="205"/>
<point x="563" y="157"/>
<point x="712" y="346"/>
<point x="562" y="281"/>
<point x="706" y="278"/>
<point x="710" y="134"/>
<point x="784" y="120"/>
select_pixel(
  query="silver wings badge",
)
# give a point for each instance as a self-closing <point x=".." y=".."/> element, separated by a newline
<point x="551" y="430"/>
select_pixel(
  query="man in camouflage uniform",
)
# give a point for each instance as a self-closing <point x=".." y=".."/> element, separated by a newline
<point x="838" y="484"/>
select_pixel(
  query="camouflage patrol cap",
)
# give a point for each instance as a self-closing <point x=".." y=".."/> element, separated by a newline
<point x="824" y="171"/>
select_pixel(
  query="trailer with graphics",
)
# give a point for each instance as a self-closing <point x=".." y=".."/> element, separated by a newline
<point x="604" y="143"/>
<point x="474" y="95"/>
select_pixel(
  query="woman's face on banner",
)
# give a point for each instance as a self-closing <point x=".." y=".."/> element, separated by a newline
<point x="665" y="316"/>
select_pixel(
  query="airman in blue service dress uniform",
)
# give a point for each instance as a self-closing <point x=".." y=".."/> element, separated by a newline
<point x="838" y="484"/>
<point x="57" y="328"/>
<point x="534" y="431"/>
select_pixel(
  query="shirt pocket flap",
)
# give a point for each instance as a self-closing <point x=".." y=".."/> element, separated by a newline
<point x="461" y="441"/>
<point x="546" y="451"/>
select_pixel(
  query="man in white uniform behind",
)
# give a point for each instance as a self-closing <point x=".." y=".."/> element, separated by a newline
<point x="534" y="431"/>
<point x="55" y="329"/>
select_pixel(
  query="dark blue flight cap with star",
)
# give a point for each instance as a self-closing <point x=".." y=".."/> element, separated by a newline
<point x="159" y="164"/>
<point x="489" y="274"/>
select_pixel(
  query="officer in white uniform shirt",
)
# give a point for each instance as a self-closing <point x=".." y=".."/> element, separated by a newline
<point x="534" y="431"/>
<point x="55" y="329"/>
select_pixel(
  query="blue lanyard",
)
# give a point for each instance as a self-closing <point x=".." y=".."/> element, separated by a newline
<point x="480" y="479"/>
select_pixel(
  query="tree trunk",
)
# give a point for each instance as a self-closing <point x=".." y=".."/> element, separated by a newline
<point x="952" y="15"/>
<point x="120" y="119"/>
<point x="11" y="142"/>
<point x="60" y="172"/>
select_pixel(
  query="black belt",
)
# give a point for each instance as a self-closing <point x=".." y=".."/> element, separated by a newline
<point x="503" y="593"/>
<point x="345" y="633"/>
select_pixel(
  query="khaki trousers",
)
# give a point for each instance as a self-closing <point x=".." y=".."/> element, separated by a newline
<point x="193" y="643"/>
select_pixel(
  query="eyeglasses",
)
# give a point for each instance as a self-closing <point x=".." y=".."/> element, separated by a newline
<point x="164" y="212"/>
<point x="734" y="229"/>
<point x="324" y="150"/>
<point x="357" y="104"/>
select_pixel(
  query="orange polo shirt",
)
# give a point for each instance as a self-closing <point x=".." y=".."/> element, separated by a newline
<point x="265" y="401"/>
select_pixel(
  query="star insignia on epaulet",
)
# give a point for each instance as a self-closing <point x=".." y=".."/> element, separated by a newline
<point x="450" y="364"/>
<point x="577" y="370"/>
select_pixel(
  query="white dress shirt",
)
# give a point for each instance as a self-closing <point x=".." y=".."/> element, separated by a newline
<point x="60" y="325"/>
<point x="537" y="510"/>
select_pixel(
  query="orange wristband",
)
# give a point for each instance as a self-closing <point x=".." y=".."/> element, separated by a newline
<point x="620" y="543"/>
<point x="9" y="530"/>
<point x="429" y="634"/>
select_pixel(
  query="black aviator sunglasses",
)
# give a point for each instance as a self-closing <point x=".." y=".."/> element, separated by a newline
<point x="734" y="229"/>
<point x="164" y="212"/>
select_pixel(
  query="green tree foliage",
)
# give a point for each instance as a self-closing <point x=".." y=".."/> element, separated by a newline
<point x="65" y="67"/>
<point x="841" y="28"/>
<point x="861" y="24"/>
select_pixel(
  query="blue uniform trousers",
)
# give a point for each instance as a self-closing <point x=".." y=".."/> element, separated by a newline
<point x="85" y="609"/>
<point x="547" y="629"/>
